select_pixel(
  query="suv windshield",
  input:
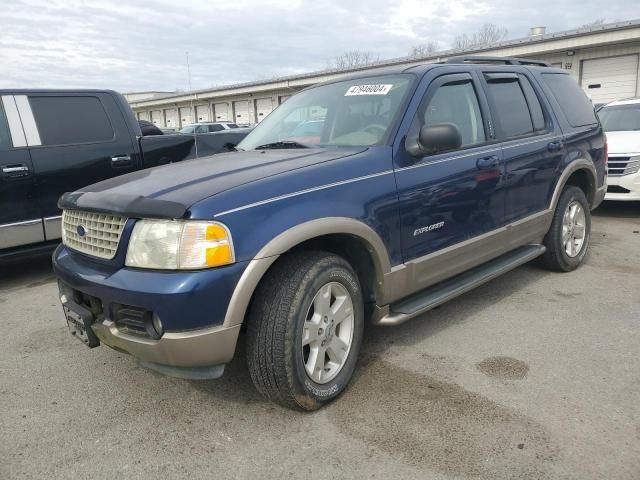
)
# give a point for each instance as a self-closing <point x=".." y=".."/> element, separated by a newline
<point x="357" y="112"/>
<point x="620" y="118"/>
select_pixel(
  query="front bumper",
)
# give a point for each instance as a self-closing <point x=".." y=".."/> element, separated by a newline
<point x="627" y="182"/>
<point x="197" y="354"/>
<point x="192" y="306"/>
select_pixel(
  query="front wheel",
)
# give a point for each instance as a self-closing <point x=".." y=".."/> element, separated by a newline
<point x="568" y="238"/>
<point x="305" y="329"/>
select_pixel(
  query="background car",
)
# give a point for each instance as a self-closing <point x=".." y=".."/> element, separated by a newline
<point x="621" y="122"/>
<point x="198" y="128"/>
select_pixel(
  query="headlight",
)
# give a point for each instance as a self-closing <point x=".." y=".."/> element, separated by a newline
<point x="179" y="245"/>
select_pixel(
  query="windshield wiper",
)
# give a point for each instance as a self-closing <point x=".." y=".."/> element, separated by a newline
<point x="282" y="144"/>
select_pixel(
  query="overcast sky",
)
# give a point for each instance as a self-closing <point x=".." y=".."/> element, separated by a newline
<point x="141" y="45"/>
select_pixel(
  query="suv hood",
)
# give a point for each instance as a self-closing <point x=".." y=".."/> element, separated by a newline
<point x="623" y="142"/>
<point x="168" y="191"/>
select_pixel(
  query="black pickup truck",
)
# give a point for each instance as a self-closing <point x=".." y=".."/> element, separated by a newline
<point x="55" y="141"/>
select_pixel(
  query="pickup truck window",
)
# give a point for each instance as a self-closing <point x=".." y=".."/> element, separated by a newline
<point x="5" y="135"/>
<point x="69" y="120"/>
<point x="456" y="103"/>
<point x="358" y="112"/>
<point x="512" y="116"/>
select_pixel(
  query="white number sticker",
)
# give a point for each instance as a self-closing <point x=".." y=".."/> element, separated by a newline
<point x="368" y="90"/>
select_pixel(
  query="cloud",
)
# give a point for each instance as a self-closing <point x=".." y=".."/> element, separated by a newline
<point x="142" y="46"/>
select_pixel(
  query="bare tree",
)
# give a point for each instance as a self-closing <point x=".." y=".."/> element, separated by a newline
<point x="595" y="23"/>
<point x="354" y="58"/>
<point x="423" y="49"/>
<point x="487" y="34"/>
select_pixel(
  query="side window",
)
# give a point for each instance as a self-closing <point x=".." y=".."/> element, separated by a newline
<point x="66" y="120"/>
<point x="5" y="134"/>
<point x="216" y="128"/>
<point x="512" y="117"/>
<point x="535" y="108"/>
<point x="456" y="103"/>
<point x="573" y="101"/>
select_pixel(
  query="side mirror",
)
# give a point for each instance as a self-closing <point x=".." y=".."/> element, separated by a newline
<point x="436" y="138"/>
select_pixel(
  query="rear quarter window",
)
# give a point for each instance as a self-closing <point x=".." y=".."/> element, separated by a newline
<point x="68" y="120"/>
<point x="574" y="103"/>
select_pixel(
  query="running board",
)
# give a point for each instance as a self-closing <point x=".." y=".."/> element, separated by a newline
<point x="425" y="300"/>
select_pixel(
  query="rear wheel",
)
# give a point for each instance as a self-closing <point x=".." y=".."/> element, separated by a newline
<point x="568" y="238"/>
<point x="305" y="329"/>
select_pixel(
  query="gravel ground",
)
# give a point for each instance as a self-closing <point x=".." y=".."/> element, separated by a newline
<point x="533" y="375"/>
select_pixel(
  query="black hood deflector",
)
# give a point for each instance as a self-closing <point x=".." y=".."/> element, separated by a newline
<point x="135" y="206"/>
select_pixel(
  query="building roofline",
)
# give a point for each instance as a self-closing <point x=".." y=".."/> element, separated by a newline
<point x="433" y="57"/>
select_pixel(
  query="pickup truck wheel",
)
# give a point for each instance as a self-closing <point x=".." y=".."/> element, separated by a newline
<point x="568" y="238"/>
<point x="305" y="329"/>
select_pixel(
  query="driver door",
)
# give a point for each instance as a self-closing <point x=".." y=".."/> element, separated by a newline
<point x="449" y="201"/>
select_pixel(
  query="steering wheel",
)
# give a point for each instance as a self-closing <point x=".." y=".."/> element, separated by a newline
<point x="375" y="129"/>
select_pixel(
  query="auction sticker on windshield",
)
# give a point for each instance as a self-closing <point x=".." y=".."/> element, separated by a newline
<point x="368" y="90"/>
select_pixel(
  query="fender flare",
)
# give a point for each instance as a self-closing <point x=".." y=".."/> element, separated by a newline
<point x="288" y="239"/>
<point x="570" y="169"/>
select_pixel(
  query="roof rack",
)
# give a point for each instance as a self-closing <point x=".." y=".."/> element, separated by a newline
<point x="502" y="60"/>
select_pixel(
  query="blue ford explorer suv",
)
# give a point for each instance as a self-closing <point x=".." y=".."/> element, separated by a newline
<point x="420" y="184"/>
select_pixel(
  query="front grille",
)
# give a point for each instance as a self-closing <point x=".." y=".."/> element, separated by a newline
<point x="619" y="166"/>
<point x="101" y="232"/>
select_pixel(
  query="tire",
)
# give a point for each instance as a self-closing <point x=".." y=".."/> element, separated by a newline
<point x="285" y="311"/>
<point x="557" y="258"/>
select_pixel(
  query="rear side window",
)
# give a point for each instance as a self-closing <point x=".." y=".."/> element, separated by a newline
<point x="5" y="135"/>
<point x="65" y="120"/>
<point x="573" y="101"/>
<point x="512" y="117"/>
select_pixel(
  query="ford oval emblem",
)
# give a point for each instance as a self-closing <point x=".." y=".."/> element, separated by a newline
<point x="82" y="231"/>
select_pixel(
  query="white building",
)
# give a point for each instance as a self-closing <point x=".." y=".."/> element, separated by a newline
<point x="602" y="58"/>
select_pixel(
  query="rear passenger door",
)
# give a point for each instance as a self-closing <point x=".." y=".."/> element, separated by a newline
<point x="20" y="222"/>
<point x="531" y="143"/>
<point x="83" y="139"/>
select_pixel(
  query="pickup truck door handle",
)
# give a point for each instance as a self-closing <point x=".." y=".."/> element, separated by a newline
<point x="121" y="160"/>
<point x="555" y="146"/>
<point x="488" y="162"/>
<point x="15" y="171"/>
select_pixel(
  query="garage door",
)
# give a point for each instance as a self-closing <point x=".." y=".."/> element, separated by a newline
<point x="241" y="112"/>
<point x="156" y="118"/>
<point x="264" y="106"/>
<point x="186" y="116"/>
<point x="143" y="115"/>
<point x="612" y="78"/>
<point x="202" y="112"/>
<point x="221" y="111"/>
<point x="171" y="115"/>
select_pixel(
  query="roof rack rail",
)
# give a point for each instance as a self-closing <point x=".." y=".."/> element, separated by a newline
<point x="503" y="60"/>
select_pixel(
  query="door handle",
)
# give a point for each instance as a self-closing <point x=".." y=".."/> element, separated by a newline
<point x="555" y="146"/>
<point x="15" y="171"/>
<point x="120" y="160"/>
<point x="488" y="162"/>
